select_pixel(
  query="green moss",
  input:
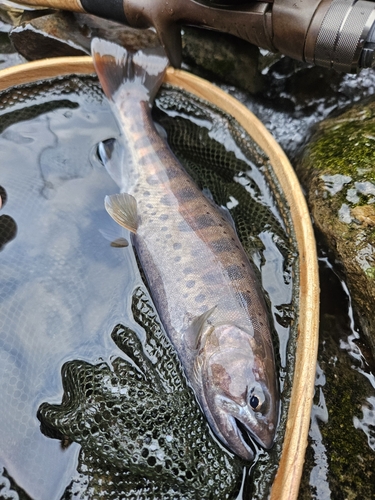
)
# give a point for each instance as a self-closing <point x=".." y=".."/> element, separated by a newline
<point x="370" y="273"/>
<point x="344" y="148"/>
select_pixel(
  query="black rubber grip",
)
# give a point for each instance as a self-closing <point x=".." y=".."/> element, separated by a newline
<point x="108" y="9"/>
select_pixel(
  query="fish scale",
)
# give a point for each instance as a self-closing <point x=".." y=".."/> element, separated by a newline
<point x="200" y="278"/>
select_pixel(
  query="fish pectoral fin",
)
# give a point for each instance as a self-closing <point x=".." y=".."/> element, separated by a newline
<point x="199" y="329"/>
<point x="123" y="209"/>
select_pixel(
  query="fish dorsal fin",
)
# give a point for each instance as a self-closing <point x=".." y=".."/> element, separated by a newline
<point x="123" y="209"/>
<point x="118" y="68"/>
<point x="198" y="329"/>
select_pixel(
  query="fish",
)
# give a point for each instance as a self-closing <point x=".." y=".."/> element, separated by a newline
<point x="202" y="282"/>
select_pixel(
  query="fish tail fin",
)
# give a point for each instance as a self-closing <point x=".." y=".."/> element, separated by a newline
<point x="139" y="74"/>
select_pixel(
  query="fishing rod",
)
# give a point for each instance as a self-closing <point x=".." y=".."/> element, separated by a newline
<point x="337" y="34"/>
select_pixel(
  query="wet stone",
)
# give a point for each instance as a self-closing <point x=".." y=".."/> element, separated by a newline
<point x="337" y="169"/>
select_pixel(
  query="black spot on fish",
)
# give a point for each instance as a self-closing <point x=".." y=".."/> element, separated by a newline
<point x="221" y="245"/>
<point x="177" y="246"/>
<point x="234" y="272"/>
<point x="167" y="200"/>
<point x="153" y="180"/>
<point x="164" y="228"/>
<point x="177" y="259"/>
<point x="200" y="298"/>
<point x="188" y="270"/>
<point x="186" y="194"/>
<point x="202" y="221"/>
<point x="190" y="283"/>
<point x="163" y="217"/>
<point x="149" y="205"/>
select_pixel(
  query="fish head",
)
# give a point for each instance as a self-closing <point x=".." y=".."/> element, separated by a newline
<point x="240" y="389"/>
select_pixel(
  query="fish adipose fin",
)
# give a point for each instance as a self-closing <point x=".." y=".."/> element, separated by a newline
<point x="123" y="209"/>
<point x="120" y="70"/>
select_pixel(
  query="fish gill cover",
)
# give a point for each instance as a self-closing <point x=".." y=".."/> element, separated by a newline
<point x="65" y="305"/>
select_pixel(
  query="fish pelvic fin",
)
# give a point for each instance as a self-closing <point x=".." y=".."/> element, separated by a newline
<point x="124" y="73"/>
<point x="123" y="209"/>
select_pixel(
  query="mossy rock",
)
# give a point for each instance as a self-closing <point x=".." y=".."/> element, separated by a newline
<point x="337" y="169"/>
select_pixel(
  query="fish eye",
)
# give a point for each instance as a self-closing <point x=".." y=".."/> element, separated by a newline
<point x="255" y="402"/>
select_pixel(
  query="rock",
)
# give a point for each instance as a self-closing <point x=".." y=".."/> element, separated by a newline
<point x="67" y="34"/>
<point x="222" y="57"/>
<point x="337" y="168"/>
<point x="340" y="458"/>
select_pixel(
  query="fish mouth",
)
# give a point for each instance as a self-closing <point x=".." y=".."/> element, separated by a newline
<point x="249" y="438"/>
<point x="245" y="436"/>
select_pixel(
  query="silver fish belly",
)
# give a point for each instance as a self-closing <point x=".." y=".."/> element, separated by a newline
<point x="202" y="283"/>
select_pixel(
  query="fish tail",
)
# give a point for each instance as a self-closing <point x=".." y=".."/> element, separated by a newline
<point x="122" y="74"/>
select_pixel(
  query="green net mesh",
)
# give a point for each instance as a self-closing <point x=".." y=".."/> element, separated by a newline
<point x="124" y="398"/>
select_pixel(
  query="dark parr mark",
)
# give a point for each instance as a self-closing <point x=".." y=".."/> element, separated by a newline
<point x="234" y="272"/>
<point x="190" y="283"/>
<point x="222" y="245"/>
<point x="173" y="172"/>
<point x="186" y="194"/>
<point x="245" y="298"/>
<point x="202" y="221"/>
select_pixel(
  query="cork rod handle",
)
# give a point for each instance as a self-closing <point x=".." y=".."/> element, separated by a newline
<point x="73" y="5"/>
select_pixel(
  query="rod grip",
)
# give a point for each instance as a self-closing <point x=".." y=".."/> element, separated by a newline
<point x="73" y="5"/>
